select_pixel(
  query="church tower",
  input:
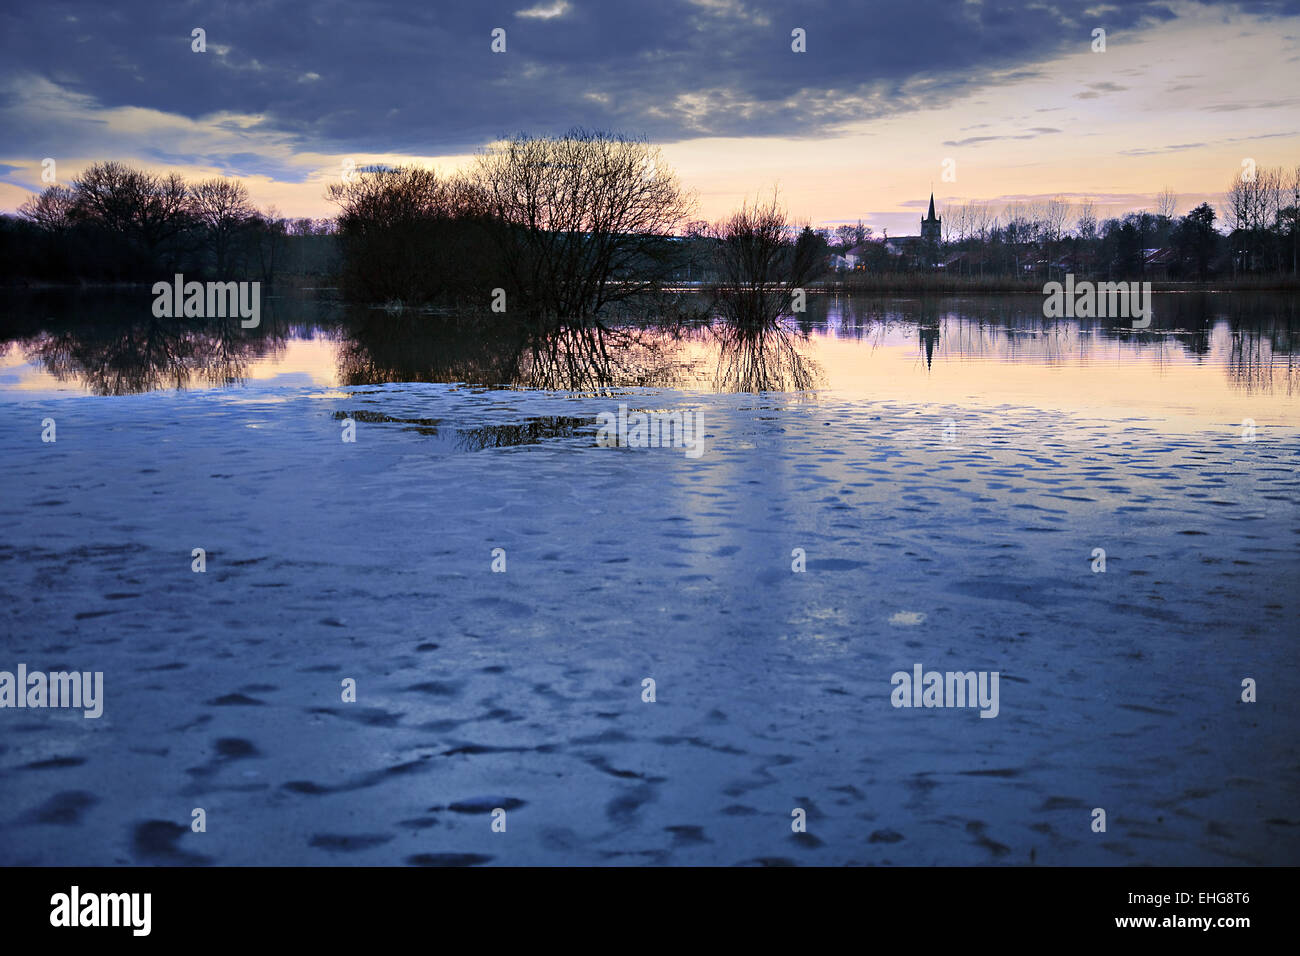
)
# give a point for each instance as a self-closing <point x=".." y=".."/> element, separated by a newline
<point x="930" y="225"/>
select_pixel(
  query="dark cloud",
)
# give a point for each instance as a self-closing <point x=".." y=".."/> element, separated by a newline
<point x="1269" y="8"/>
<point x="370" y="76"/>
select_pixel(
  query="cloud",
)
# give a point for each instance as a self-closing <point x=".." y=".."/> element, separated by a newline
<point x="1033" y="133"/>
<point x="1159" y="150"/>
<point x="366" y="76"/>
<point x="1096" y="90"/>
<point x="1179" y="147"/>
<point x="1257" y="105"/>
<point x="545" y="11"/>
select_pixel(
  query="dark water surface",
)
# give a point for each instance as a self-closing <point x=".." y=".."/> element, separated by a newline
<point x="1208" y="358"/>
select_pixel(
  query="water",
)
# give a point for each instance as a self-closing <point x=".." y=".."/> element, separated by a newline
<point x="950" y="471"/>
<point x="1207" y="357"/>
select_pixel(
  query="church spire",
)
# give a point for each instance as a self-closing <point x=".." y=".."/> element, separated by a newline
<point x="931" y="224"/>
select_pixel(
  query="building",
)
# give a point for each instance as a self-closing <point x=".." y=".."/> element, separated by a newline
<point x="931" y="225"/>
<point x="908" y="252"/>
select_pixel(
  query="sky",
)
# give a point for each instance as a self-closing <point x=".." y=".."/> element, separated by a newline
<point x="976" y="99"/>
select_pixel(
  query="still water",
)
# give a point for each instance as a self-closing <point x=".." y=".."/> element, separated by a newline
<point x="951" y="469"/>
<point x="1206" y="358"/>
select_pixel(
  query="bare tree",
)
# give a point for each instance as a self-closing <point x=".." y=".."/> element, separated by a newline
<point x="410" y="235"/>
<point x="110" y="195"/>
<point x="982" y="224"/>
<point x="1245" y="211"/>
<point x="1085" y="223"/>
<point x="1235" y="211"/>
<point x="384" y="197"/>
<point x="845" y="236"/>
<point x="1055" y="212"/>
<point x="1019" y="231"/>
<point x="268" y="229"/>
<point x="133" y="204"/>
<point x="166" y="212"/>
<point x="221" y="207"/>
<point x="583" y="219"/>
<point x="50" y="210"/>
<point x="759" y="267"/>
<point x="1166" y="203"/>
<point x="1272" y="190"/>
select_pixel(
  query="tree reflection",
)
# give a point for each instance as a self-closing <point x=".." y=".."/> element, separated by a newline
<point x="504" y="353"/>
<point x="764" y="357"/>
<point x="115" y="346"/>
<point x="123" y="351"/>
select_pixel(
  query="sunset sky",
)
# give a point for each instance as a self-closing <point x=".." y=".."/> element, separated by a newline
<point x="858" y="127"/>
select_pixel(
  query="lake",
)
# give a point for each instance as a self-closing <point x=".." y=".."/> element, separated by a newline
<point x="1206" y="356"/>
<point x="356" y="581"/>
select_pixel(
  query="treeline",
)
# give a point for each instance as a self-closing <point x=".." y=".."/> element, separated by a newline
<point x="1262" y="212"/>
<point x="576" y="228"/>
<point x="594" y="225"/>
<point x="116" y="223"/>
<point x="1255" y="233"/>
